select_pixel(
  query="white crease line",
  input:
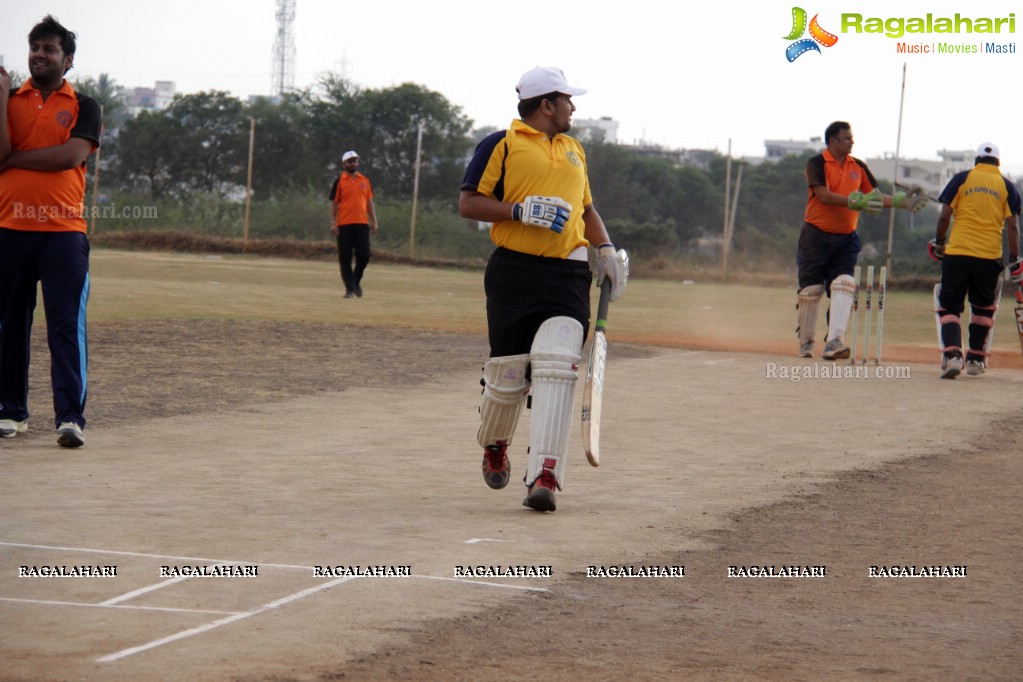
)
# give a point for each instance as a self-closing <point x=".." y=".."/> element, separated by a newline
<point x="222" y="621"/>
<point x="234" y="617"/>
<point x="143" y="590"/>
<point x="483" y="583"/>
<point x="48" y="602"/>
<point x="151" y="556"/>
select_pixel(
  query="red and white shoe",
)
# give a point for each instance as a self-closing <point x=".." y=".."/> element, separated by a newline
<point x="541" y="494"/>
<point x="496" y="469"/>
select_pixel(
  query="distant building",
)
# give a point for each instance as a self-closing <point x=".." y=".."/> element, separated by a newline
<point x="776" y="149"/>
<point x="156" y="98"/>
<point x="931" y="175"/>
<point x="700" y="158"/>
<point x="591" y="129"/>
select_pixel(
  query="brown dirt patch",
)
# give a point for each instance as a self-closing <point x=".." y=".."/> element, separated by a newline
<point x="953" y="508"/>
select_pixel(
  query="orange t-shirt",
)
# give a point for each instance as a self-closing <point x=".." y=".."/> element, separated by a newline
<point x="352" y="194"/>
<point x="844" y="179"/>
<point x="45" y="201"/>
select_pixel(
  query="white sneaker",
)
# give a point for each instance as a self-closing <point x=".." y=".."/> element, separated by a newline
<point x="806" y="350"/>
<point x="951" y="367"/>
<point x="69" y="435"/>
<point x="974" y="368"/>
<point x="10" y="428"/>
<point x="836" y="350"/>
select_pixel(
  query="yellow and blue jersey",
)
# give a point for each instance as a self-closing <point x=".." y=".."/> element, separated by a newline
<point x="981" y="199"/>
<point x="513" y="164"/>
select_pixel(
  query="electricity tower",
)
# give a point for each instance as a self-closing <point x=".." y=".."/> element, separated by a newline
<point x="284" y="49"/>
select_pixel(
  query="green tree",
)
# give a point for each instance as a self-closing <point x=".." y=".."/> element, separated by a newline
<point x="145" y="161"/>
<point x="212" y="147"/>
<point x="394" y="117"/>
<point x="109" y="95"/>
<point x="383" y="126"/>
<point x="284" y="153"/>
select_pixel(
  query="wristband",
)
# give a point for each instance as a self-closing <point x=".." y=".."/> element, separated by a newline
<point x="605" y="244"/>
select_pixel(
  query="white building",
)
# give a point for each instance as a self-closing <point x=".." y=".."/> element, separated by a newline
<point x="776" y="149"/>
<point x="590" y="129"/>
<point x="931" y="175"/>
<point x="156" y="98"/>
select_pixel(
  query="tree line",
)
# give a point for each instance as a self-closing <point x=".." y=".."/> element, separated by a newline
<point x="193" y="156"/>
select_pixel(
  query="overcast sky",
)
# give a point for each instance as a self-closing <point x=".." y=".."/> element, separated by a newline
<point x="678" y="74"/>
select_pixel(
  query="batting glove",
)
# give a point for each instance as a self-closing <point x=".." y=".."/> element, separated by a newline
<point x="913" y="200"/>
<point x="871" y="203"/>
<point x="936" y="250"/>
<point x="613" y="264"/>
<point x="1016" y="270"/>
<point x="547" y="212"/>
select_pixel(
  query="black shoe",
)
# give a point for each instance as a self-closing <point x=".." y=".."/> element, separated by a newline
<point x="358" y="291"/>
<point x="349" y="293"/>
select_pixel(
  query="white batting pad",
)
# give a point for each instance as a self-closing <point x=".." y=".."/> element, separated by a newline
<point x="554" y="357"/>
<point x="843" y="288"/>
<point x="809" y="302"/>
<point x="504" y="391"/>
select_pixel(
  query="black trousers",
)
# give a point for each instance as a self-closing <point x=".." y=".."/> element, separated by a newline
<point x="976" y="279"/>
<point x="353" y="240"/>
<point x="524" y="290"/>
<point x="60" y="262"/>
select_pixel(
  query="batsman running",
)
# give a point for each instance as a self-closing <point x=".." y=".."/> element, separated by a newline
<point x="839" y="188"/>
<point x="531" y="182"/>
<point x="978" y="205"/>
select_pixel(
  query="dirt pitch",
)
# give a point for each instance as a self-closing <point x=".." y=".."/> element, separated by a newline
<point x="265" y="444"/>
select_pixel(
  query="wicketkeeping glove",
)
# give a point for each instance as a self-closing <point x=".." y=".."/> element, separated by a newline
<point x="871" y="203"/>
<point x="613" y="264"/>
<point x="912" y="201"/>
<point x="547" y="212"/>
<point x="1016" y="270"/>
<point x="935" y="250"/>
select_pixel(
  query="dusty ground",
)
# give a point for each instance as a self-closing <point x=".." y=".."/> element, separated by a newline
<point x="285" y="446"/>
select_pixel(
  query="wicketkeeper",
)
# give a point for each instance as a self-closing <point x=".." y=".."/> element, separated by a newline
<point x="530" y="181"/>
<point x="839" y="188"/>
<point x="977" y="204"/>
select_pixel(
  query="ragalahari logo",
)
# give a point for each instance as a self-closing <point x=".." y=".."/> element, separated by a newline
<point x="817" y="35"/>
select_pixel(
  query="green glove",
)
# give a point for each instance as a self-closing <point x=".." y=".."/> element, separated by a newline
<point x="912" y="201"/>
<point x="871" y="203"/>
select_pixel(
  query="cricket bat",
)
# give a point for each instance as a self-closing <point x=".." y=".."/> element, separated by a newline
<point x="593" y="391"/>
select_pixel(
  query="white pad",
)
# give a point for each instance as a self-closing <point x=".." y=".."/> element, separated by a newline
<point x="809" y="300"/>
<point x="843" y="288"/>
<point x="554" y="358"/>
<point x="504" y="391"/>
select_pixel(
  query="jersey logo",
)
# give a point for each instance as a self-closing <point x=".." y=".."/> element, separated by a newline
<point x="64" y="118"/>
<point x="573" y="158"/>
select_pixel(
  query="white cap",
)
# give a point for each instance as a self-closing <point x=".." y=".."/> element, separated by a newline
<point x="988" y="149"/>
<point x="544" y="80"/>
<point x="349" y="155"/>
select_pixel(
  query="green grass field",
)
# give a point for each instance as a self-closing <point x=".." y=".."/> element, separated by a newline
<point x="159" y="285"/>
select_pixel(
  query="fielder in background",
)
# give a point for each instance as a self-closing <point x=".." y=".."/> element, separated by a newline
<point x="531" y="182"/>
<point x="352" y="218"/>
<point x="48" y="133"/>
<point x="840" y="187"/>
<point x="979" y="204"/>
